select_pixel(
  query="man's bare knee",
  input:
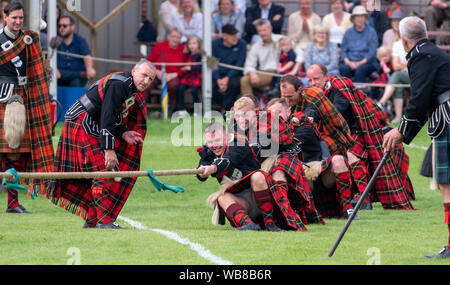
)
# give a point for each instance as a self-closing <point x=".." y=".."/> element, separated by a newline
<point x="258" y="181"/>
<point x="338" y="164"/>
<point x="351" y="158"/>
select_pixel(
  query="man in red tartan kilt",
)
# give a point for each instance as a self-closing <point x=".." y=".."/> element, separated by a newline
<point x="25" y="123"/>
<point x="277" y="151"/>
<point x="331" y="198"/>
<point x="104" y="131"/>
<point x="245" y="192"/>
<point x="367" y="151"/>
<point x="335" y="134"/>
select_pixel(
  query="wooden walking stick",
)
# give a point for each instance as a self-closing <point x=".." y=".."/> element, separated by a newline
<point x="358" y="205"/>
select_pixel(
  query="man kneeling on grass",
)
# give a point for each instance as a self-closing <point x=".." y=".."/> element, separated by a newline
<point x="243" y="186"/>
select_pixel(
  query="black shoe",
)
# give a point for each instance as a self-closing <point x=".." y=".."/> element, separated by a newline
<point x="271" y="227"/>
<point x="348" y="213"/>
<point x="249" y="227"/>
<point x="88" y="226"/>
<point x="18" y="210"/>
<point x="444" y="253"/>
<point x="110" y="225"/>
<point x="365" y="206"/>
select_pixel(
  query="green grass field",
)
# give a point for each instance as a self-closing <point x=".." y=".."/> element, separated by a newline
<point x="55" y="237"/>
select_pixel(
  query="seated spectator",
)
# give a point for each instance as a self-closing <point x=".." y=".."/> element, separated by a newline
<point x="384" y="71"/>
<point x="265" y="9"/>
<point x="286" y="63"/>
<point x="192" y="74"/>
<point x="299" y="68"/>
<point x="359" y="47"/>
<point x="436" y="12"/>
<point x="301" y="23"/>
<point x="240" y="5"/>
<point x="378" y="19"/>
<point x="400" y="76"/>
<point x="189" y="20"/>
<point x="393" y="34"/>
<point x="232" y="50"/>
<point x="263" y="56"/>
<point x="170" y="51"/>
<point x="73" y="71"/>
<point x="338" y="21"/>
<point x="167" y="12"/>
<point x="349" y="5"/>
<point x="3" y="4"/>
<point x="322" y="51"/>
<point x="227" y="14"/>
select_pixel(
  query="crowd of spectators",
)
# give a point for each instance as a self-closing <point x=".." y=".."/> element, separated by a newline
<point x="356" y="40"/>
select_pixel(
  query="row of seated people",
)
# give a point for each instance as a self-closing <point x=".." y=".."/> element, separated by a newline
<point x="355" y="57"/>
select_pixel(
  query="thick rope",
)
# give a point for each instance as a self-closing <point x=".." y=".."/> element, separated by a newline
<point x="7" y="176"/>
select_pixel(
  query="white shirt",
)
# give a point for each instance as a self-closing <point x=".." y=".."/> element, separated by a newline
<point x="399" y="52"/>
<point x="195" y="26"/>
<point x="167" y="12"/>
<point x="262" y="56"/>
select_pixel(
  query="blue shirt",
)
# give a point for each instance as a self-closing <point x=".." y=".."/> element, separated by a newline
<point x="77" y="46"/>
<point x="234" y="55"/>
<point x="358" y="45"/>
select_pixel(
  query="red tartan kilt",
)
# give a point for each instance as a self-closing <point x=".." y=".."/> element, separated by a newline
<point x="358" y="148"/>
<point x="284" y="214"/>
<point x="241" y="184"/>
<point x="79" y="152"/>
<point x="193" y="78"/>
<point x="296" y="179"/>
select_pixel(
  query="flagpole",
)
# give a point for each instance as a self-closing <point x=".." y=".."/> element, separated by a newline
<point x="164" y="92"/>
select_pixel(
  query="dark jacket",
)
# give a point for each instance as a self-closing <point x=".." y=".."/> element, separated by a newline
<point x="254" y="12"/>
<point x="234" y="55"/>
<point x="236" y="162"/>
<point x="107" y="109"/>
<point x="429" y="69"/>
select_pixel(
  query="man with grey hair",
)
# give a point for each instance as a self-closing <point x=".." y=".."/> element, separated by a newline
<point x="428" y="68"/>
<point x="103" y="131"/>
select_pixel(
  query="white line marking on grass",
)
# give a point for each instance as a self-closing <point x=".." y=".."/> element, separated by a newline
<point x="417" y="146"/>
<point x="202" y="251"/>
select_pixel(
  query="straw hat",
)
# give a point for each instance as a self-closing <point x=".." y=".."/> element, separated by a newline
<point x="359" y="10"/>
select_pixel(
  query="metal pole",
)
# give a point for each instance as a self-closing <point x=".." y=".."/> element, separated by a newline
<point x="34" y="12"/>
<point x="51" y="33"/>
<point x="207" y="47"/>
<point x="358" y="205"/>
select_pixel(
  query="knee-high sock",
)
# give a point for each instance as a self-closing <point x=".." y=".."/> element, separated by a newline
<point x="13" y="195"/>
<point x="101" y="202"/>
<point x="447" y="219"/>
<point x="264" y="200"/>
<point x="360" y="177"/>
<point x="13" y="200"/>
<point x="343" y="186"/>
<point x="91" y="218"/>
<point x="237" y="215"/>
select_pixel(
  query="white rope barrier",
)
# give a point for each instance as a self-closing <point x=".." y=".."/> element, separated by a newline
<point x="216" y="62"/>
